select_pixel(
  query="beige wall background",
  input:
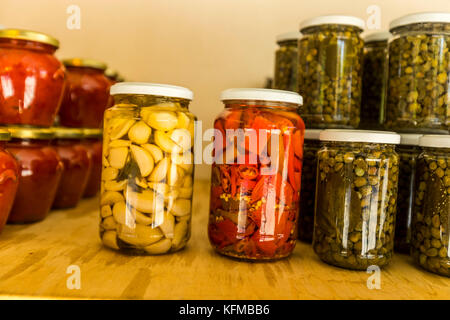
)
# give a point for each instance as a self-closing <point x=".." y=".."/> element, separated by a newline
<point x="205" y="45"/>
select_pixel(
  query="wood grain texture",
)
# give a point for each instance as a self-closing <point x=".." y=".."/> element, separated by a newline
<point x="34" y="259"/>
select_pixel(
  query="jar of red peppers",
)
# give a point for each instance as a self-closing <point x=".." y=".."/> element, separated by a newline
<point x="86" y="94"/>
<point x="93" y="143"/>
<point x="31" y="78"/>
<point x="9" y="178"/>
<point x="256" y="174"/>
<point x="40" y="172"/>
<point x="77" y="166"/>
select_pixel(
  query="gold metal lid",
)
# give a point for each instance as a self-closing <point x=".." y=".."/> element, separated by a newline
<point x="31" y="133"/>
<point x="111" y="73"/>
<point x="91" y="133"/>
<point x="29" y="35"/>
<point x="5" y="135"/>
<point x="86" y="63"/>
<point x="68" y="133"/>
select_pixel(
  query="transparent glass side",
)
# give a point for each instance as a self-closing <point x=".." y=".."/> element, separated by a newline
<point x="286" y="60"/>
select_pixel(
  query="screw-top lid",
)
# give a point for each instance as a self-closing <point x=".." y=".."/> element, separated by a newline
<point x="29" y="35"/>
<point x="91" y="133"/>
<point x="5" y="135"/>
<point x="153" y="89"/>
<point x="261" y="95"/>
<point x="111" y="74"/>
<point x="421" y="17"/>
<point x="384" y="137"/>
<point x="68" y="133"/>
<point x="435" y="141"/>
<point x="293" y="35"/>
<point x="312" y="134"/>
<point x="333" y="19"/>
<point x="377" y="36"/>
<point x="410" y="139"/>
<point x="31" y="133"/>
<point x="84" y="63"/>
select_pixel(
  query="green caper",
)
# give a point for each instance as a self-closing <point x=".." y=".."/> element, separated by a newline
<point x="286" y="60"/>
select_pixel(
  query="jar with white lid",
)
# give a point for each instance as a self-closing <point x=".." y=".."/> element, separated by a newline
<point x="330" y="71"/>
<point x="419" y="74"/>
<point x="311" y="146"/>
<point x="148" y="170"/>
<point x="375" y="63"/>
<point x="286" y="60"/>
<point x="408" y="150"/>
<point x="430" y="239"/>
<point x="356" y="198"/>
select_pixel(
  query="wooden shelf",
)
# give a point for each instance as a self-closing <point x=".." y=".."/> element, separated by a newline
<point x="34" y="260"/>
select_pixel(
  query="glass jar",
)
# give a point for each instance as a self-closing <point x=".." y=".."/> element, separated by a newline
<point x="375" y="64"/>
<point x="308" y="190"/>
<point x="113" y="77"/>
<point x="286" y="60"/>
<point x="330" y="71"/>
<point x="256" y="174"/>
<point x="430" y="240"/>
<point x="77" y="167"/>
<point x="40" y="171"/>
<point x="31" y="78"/>
<point x="86" y="94"/>
<point x="9" y="178"/>
<point x="408" y="151"/>
<point x="356" y="198"/>
<point x="148" y="170"/>
<point x="93" y="143"/>
<point x="419" y="74"/>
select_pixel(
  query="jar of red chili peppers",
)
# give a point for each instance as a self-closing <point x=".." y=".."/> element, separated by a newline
<point x="9" y="178"/>
<point x="31" y="78"/>
<point x="40" y="172"/>
<point x="86" y="94"/>
<point x="77" y="166"/>
<point x="93" y="143"/>
<point x="256" y="174"/>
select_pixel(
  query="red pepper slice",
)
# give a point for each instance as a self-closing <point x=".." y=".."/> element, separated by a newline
<point x="298" y="143"/>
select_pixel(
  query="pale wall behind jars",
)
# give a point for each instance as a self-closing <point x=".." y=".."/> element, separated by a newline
<point x="205" y="45"/>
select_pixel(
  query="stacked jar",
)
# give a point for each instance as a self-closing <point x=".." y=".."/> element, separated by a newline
<point x="32" y="83"/>
<point x="286" y="61"/>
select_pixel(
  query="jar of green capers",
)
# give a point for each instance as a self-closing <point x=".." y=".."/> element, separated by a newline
<point x="147" y="174"/>
<point x="356" y="198"/>
<point x="374" y="78"/>
<point x="311" y="146"/>
<point x="430" y="239"/>
<point x="330" y="71"/>
<point x="418" y="97"/>
<point x="408" y="151"/>
<point x="286" y="59"/>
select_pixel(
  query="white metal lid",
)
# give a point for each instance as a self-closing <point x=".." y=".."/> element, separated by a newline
<point x="261" y="95"/>
<point x="293" y="35"/>
<point x="333" y="19"/>
<point x="367" y="136"/>
<point x="411" y="139"/>
<point x="421" y="17"/>
<point x="435" y="141"/>
<point x="377" y="36"/>
<point x="312" y="134"/>
<point x="154" y="89"/>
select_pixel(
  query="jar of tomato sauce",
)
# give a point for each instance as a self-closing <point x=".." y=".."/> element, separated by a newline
<point x="77" y="166"/>
<point x="9" y="178"/>
<point x="256" y="174"/>
<point x="93" y="143"/>
<point x="86" y="94"/>
<point x="40" y="172"/>
<point x="31" y="78"/>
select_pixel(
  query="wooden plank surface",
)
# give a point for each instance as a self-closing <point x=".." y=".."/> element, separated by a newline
<point x="34" y="261"/>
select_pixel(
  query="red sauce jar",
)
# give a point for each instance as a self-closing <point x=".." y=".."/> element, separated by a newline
<point x="113" y="77"/>
<point x="93" y="143"/>
<point x="40" y="172"/>
<point x="31" y="78"/>
<point x="256" y="174"/>
<point x="86" y="94"/>
<point x="77" y="167"/>
<point x="9" y="178"/>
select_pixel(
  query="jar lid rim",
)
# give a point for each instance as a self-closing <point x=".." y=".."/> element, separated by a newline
<point x="411" y="139"/>
<point x="332" y="19"/>
<point x="260" y="94"/>
<point x="154" y="89"/>
<point x="286" y="36"/>
<point x="435" y="141"/>
<point x="377" y="36"/>
<point x="92" y="133"/>
<point x="30" y="36"/>
<point x="111" y="73"/>
<point x="85" y="63"/>
<point x="32" y="133"/>
<point x="5" y="135"/>
<point x="68" y="133"/>
<point x="420" y="17"/>
<point x="312" y="134"/>
<point x="364" y="136"/>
